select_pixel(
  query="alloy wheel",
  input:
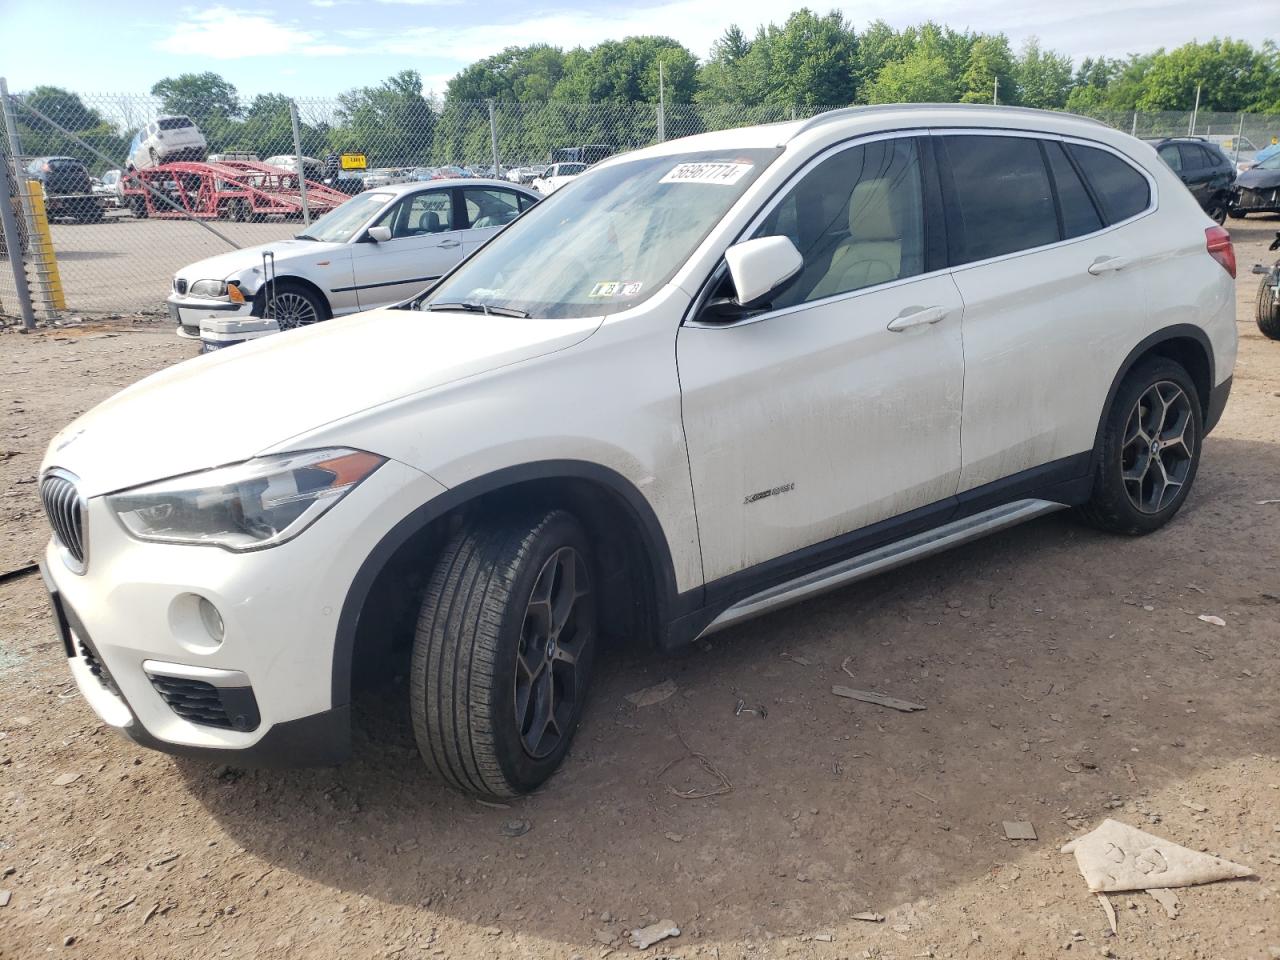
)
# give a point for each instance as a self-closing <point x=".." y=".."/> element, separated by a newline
<point x="556" y="629"/>
<point x="1157" y="453"/>
<point x="293" y="310"/>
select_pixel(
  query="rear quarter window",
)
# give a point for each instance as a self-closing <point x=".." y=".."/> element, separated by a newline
<point x="1122" y="191"/>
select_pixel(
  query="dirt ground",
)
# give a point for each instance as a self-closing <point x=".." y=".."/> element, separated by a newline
<point x="1066" y="675"/>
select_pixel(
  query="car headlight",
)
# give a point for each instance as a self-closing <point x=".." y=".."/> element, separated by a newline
<point x="217" y="290"/>
<point x="245" y="506"/>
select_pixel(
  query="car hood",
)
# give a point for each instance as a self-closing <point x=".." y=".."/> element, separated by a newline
<point x="231" y="405"/>
<point x="1258" y="179"/>
<point x="249" y="259"/>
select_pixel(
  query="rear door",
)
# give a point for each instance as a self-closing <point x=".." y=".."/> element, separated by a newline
<point x="1048" y="290"/>
<point x="1197" y="171"/>
<point x="488" y="210"/>
<point x="426" y="241"/>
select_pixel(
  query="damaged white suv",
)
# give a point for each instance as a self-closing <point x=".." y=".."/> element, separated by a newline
<point x="760" y="364"/>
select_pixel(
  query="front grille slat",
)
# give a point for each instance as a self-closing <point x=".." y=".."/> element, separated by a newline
<point x="65" y="511"/>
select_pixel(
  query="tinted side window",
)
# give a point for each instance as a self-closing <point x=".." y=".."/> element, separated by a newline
<point x="1122" y="190"/>
<point x="490" y="206"/>
<point x="1002" y="201"/>
<point x="857" y="219"/>
<point x="1079" y="216"/>
<point x="1169" y="154"/>
<point x="1193" y="158"/>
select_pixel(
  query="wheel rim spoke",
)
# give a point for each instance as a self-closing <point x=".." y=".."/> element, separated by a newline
<point x="549" y="652"/>
<point x="1156" y="453"/>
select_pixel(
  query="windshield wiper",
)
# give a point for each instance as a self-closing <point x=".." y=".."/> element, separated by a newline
<point x="473" y="307"/>
<point x="304" y="236"/>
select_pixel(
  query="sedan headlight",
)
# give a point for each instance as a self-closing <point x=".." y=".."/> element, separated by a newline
<point x="209" y="288"/>
<point x="246" y="506"/>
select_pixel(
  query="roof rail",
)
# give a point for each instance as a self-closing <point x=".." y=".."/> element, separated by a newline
<point x="833" y="115"/>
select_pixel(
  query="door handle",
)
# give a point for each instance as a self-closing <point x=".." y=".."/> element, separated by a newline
<point x="449" y="244"/>
<point x="916" y="318"/>
<point x="1107" y="265"/>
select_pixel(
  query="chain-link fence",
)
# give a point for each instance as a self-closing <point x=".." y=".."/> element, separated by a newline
<point x="142" y="194"/>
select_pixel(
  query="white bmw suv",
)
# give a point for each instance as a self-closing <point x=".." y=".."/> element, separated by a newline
<point x="762" y="363"/>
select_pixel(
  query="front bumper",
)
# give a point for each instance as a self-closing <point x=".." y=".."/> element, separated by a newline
<point x="1262" y="200"/>
<point x="132" y="617"/>
<point x="190" y="312"/>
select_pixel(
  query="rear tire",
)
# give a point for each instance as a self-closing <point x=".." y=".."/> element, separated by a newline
<point x="1149" y="450"/>
<point x="503" y="652"/>
<point x="1267" y="312"/>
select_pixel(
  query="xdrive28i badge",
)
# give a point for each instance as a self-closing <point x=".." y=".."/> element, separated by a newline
<point x="785" y="488"/>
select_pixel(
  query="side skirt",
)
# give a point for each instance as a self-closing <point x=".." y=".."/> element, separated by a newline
<point x="882" y="559"/>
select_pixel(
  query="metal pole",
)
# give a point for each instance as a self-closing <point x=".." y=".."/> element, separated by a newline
<point x="15" y="152"/>
<point x="1194" y="110"/>
<point x="15" y="246"/>
<point x="493" y="140"/>
<point x="297" y="157"/>
<point x="1134" y="131"/>
<point x="662" y="101"/>
<point x="9" y="127"/>
<point x="995" y="93"/>
<point x="1239" y="133"/>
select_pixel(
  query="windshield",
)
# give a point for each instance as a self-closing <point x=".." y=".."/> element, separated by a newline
<point x="1271" y="163"/>
<point x="341" y="223"/>
<point x="609" y="239"/>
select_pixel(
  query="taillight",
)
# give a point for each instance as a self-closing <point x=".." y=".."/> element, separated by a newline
<point x="1217" y="241"/>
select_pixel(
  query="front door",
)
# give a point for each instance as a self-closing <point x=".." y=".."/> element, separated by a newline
<point x="425" y="243"/>
<point x="839" y="406"/>
<point x="488" y="210"/>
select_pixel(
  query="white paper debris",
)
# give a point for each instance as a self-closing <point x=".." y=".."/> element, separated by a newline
<point x="1117" y="857"/>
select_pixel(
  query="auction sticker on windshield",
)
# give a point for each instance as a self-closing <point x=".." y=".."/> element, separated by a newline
<point x="722" y="172"/>
<point x="616" y="288"/>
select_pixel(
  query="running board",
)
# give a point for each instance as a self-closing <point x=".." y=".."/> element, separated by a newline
<point x="881" y="559"/>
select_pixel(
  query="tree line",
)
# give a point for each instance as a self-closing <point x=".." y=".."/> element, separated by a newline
<point x="607" y="93"/>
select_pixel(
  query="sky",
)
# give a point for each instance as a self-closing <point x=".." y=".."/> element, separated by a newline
<point x="320" y="47"/>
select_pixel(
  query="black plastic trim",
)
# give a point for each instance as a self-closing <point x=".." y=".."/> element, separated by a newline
<point x="670" y="603"/>
<point x="1065" y="481"/>
<point x="319" y="740"/>
<point x="1217" y="403"/>
<point x="385" y="283"/>
<point x="208" y="306"/>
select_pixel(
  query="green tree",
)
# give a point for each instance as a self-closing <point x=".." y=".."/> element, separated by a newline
<point x="1224" y="69"/>
<point x="809" y="61"/>
<point x="723" y="78"/>
<point x="68" y="111"/>
<point x="1043" y="77"/>
<point x="989" y="61"/>
<point x="516" y="75"/>
<point x="627" y="71"/>
<point x="921" y="77"/>
<point x="392" y="123"/>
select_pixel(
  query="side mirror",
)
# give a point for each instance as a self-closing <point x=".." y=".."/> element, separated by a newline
<point x="760" y="266"/>
<point x="379" y="234"/>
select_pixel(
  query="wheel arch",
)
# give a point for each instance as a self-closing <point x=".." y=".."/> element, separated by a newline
<point x="625" y="531"/>
<point x="260" y="297"/>
<point x="1184" y="343"/>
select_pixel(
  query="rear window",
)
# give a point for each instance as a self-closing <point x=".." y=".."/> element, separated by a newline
<point x="1002" y="201"/>
<point x="175" y="123"/>
<point x="1079" y="216"/>
<point x="1122" y="190"/>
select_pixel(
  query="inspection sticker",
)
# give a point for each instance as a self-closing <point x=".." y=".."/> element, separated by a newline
<point x="616" y="288"/>
<point x="725" y="172"/>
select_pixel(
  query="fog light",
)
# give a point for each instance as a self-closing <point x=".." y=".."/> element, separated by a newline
<point x="211" y="619"/>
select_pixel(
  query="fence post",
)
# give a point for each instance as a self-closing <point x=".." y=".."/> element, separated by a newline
<point x="14" y="245"/>
<point x="19" y="180"/>
<point x="297" y="157"/>
<point x="662" y="102"/>
<point x="1239" y="133"/>
<point x="493" y="140"/>
<point x="1134" y="131"/>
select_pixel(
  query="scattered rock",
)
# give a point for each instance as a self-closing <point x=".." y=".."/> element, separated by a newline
<point x="674" y="837"/>
<point x="643" y="938"/>
<point x="1210" y="618"/>
<point x="655" y="694"/>
<point x="65" y="779"/>
<point x="5" y="897"/>
<point x="516" y="828"/>
<point x="869" y="916"/>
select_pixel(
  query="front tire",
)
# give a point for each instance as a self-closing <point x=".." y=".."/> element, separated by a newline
<point x="503" y="652"/>
<point x="1267" y="312"/>
<point x="1149" y="451"/>
<point x="292" y="305"/>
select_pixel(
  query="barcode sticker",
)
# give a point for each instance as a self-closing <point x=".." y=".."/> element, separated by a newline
<point x="722" y="172"/>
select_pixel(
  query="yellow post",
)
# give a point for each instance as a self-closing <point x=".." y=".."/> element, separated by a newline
<point x="43" y="255"/>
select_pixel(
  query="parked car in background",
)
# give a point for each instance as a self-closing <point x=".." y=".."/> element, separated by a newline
<point x="377" y="248"/>
<point x="588" y="154"/>
<point x="241" y="156"/>
<point x="312" y="168"/>
<point x="1266" y="152"/>
<point x="528" y="173"/>
<point x="108" y="189"/>
<point x="1204" y="168"/>
<point x="168" y="139"/>
<point x="68" y="189"/>
<point x="387" y="176"/>
<point x="1240" y="150"/>
<point x="1257" y="190"/>
<point x="556" y="176"/>
<point x="717" y="376"/>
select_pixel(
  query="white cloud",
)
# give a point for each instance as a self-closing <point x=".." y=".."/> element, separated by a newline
<point x="227" y="34"/>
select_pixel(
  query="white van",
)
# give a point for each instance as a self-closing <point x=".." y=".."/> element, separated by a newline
<point x="166" y="140"/>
